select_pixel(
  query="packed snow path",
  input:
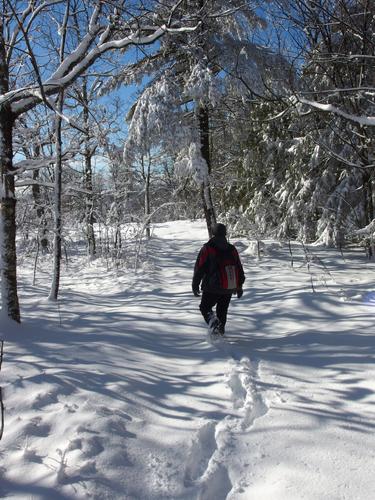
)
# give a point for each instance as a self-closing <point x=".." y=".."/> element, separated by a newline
<point x="117" y="393"/>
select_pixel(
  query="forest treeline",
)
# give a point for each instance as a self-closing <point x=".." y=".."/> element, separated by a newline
<point x="112" y="112"/>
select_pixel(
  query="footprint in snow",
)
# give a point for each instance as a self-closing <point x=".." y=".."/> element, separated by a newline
<point x="90" y="446"/>
<point x="116" y="425"/>
<point x="217" y="485"/>
<point x="201" y="451"/>
<point x="37" y="428"/>
<point x="31" y="455"/>
<point x="71" y="408"/>
<point x="242" y="381"/>
<point x="74" y="444"/>
<point x="46" y="399"/>
<point x="239" y="392"/>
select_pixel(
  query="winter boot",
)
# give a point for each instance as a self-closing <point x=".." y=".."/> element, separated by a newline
<point x="213" y="324"/>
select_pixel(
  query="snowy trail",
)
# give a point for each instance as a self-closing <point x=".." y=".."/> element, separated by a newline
<point x="119" y="394"/>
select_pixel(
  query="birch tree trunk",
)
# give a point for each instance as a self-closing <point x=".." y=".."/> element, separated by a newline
<point x="8" y="261"/>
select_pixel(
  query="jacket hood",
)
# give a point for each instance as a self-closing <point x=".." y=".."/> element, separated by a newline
<point x="219" y="242"/>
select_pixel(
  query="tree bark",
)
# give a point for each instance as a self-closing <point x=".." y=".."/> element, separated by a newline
<point x="369" y="204"/>
<point x="89" y="215"/>
<point x="147" y="197"/>
<point x="8" y="262"/>
<point x="58" y="172"/>
<point x="38" y="205"/>
<point x="57" y="204"/>
<point x="89" y="209"/>
<point x="206" y="195"/>
<point x="40" y="212"/>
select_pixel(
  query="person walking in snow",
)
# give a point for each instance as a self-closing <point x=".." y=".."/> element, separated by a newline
<point x="218" y="267"/>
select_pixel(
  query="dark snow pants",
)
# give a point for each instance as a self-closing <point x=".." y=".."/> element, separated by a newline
<point x="209" y="300"/>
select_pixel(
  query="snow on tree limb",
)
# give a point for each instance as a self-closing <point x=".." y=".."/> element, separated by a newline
<point x="33" y="182"/>
<point x="329" y="108"/>
<point x="368" y="230"/>
<point x="97" y="41"/>
<point x="32" y="164"/>
<point x="32" y="11"/>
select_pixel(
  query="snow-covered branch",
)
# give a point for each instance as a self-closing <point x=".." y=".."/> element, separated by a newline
<point x="32" y="164"/>
<point x="33" y="182"/>
<point x="329" y="108"/>
<point x="32" y="11"/>
<point x="368" y="230"/>
<point x="99" y="39"/>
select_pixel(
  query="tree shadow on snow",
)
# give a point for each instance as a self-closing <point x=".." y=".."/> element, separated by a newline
<point x="28" y="490"/>
<point x="100" y="343"/>
<point x="315" y="333"/>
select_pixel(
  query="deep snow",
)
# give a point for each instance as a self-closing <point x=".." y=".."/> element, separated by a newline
<point x="115" y="392"/>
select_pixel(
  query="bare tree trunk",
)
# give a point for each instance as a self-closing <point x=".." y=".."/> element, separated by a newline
<point x="40" y="211"/>
<point x="369" y="204"/>
<point x="204" y="132"/>
<point x="147" y="198"/>
<point x="35" y="190"/>
<point x="57" y="204"/>
<point x="8" y="262"/>
<point x="89" y="215"/>
<point x="206" y="196"/>
<point x="89" y="209"/>
<point x="58" y="175"/>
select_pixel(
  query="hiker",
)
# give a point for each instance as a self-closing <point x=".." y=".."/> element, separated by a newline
<point x="219" y="268"/>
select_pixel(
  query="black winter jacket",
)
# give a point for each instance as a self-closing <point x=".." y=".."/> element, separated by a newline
<point x="208" y="271"/>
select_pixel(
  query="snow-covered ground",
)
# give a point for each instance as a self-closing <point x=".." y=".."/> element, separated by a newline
<point x="115" y="392"/>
